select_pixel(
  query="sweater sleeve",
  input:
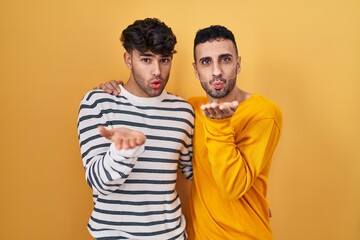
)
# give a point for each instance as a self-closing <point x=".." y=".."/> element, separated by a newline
<point x="236" y="158"/>
<point x="186" y="155"/>
<point x="106" y="168"/>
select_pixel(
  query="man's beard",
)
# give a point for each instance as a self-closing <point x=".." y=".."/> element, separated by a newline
<point x="214" y="93"/>
<point x="144" y="84"/>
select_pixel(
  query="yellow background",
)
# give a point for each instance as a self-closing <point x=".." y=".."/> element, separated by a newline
<point x="302" y="54"/>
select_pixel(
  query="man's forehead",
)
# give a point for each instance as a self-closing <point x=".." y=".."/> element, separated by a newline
<point x="219" y="43"/>
<point x="215" y="47"/>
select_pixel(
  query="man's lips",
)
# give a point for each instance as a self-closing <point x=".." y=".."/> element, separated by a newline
<point x="218" y="83"/>
<point x="156" y="84"/>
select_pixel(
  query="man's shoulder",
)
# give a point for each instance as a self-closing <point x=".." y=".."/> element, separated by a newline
<point x="95" y="95"/>
<point x="266" y="102"/>
<point x="264" y="107"/>
<point x="197" y="100"/>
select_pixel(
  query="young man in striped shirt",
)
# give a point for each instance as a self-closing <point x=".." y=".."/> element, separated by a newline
<point x="132" y="144"/>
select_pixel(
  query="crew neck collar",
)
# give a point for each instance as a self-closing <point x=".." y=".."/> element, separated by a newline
<point x="147" y="100"/>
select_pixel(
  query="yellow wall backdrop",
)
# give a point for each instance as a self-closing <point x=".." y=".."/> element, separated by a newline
<point x="302" y="54"/>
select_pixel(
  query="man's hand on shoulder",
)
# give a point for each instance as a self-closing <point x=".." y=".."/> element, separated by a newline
<point x="111" y="87"/>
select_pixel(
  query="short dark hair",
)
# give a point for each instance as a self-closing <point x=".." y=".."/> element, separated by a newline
<point x="213" y="32"/>
<point x="149" y="34"/>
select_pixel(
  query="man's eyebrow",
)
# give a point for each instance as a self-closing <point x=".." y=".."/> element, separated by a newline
<point x="152" y="55"/>
<point x="220" y="56"/>
<point x="225" y="55"/>
<point x="147" y="54"/>
<point x="204" y="59"/>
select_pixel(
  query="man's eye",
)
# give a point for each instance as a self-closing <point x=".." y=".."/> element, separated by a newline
<point x="146" y="60"/>
<point x="165" y="60"/>
<point x="205" y="62"/>
<point x="226" y="59"/>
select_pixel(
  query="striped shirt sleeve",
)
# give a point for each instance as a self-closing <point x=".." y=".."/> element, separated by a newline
<point x="106" y="169"/>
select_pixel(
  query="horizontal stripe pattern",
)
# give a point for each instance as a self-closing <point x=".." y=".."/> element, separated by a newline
<point x="135" y="198"/>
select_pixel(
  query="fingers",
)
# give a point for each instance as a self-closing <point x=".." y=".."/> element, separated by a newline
<point x="111" y="87"/>
<point x="219" y="110"/>
<point x="123" y="138"/>
<point x="210" y="110"/>
<point x="105" y="87"/>
<point x="129" y="141"/>
<point x="229" y="105"/>
<point x="114" y="85"/>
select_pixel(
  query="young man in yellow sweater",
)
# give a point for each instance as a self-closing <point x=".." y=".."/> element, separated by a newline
<point x="235" y="136"/>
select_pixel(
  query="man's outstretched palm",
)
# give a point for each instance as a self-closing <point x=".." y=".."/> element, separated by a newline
<point x="124" y="138"/>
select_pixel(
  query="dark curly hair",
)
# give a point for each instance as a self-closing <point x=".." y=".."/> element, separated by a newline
<point x="149" y="34"/>
<point x="213" y="32"/>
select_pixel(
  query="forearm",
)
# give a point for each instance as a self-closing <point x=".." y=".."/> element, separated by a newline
<point x="238" y="158"/>
<point x="228" y="167"/>
<point x="185" y="165"/>
<point x="105" y="173"/>
<point x="106" y="169"/>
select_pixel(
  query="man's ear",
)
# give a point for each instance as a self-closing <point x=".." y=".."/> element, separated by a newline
<point x="196" y="71"/>
<point x="127" y="59"/>
<point x="238" y="65"/>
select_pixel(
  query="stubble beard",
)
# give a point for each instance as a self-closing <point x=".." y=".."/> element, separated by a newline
<point x="144" y="85"/>
<point x="214" y="93"/>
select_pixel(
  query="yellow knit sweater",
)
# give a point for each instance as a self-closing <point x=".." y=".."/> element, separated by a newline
<point x="232" y="159"/>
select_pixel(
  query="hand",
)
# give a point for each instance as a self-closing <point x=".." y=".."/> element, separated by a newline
<point x="124" y="138"/>
<point x="219" y="110"/>
<point x="111" y="87"/>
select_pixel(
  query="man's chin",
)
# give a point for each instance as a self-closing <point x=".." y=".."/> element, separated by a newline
<point x="217" y="94"/>
<point x="155" y="93"/>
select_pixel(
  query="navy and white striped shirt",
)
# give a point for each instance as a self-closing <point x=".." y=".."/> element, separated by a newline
<point x="135" y="196"/>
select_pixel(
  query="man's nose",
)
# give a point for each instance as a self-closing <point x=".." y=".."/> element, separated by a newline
<point x="156" y="69"/>
<point x="216" y="70"/>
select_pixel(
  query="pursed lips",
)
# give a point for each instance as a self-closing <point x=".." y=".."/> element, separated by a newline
<point x="217" y="83"/>
<point x="156" y="83"/>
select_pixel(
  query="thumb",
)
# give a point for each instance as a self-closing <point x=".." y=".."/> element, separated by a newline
<point x="104" y="132"/>
<point x="234" y="104"/>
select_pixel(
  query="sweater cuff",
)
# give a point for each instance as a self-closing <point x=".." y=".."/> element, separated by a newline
<point x="128" y="153"/>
